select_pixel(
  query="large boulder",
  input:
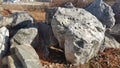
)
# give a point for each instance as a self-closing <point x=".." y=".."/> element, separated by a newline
<point x="4" y="40"/>
<point x="78" y="32"/>
<point x="27" y="56"/>
<point x="25" y="36"/>
<point x="103" y="12"/>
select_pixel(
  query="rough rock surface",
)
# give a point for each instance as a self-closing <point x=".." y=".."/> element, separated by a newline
<point x="28" y="57"/>
<point x="110" y="42"/>
<point x="79" y="33"/>
<point x="5" y="21"/>
<point x="17" y="19"/>
<point x="51" y="11"/>
<point x="25" y="36"/>
<point x="21" y="19"/>
<point x="115" y="31"/>
<point x="4" y="39"/>
<point x="103" y="12"/>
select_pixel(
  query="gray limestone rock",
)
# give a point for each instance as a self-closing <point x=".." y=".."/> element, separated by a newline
<point x="110" y="42"/>
<point x="27" y="56"/>
<point x="115" y="32"/>
<point x="5" y="21"/>
<point x="79" y="33"/>
<point x="4" y="40"/>
<point x="25" y="36"/>
<point x="17" y="19"/>
<point x="103" y="12"/>
<point x="21" y="19"/>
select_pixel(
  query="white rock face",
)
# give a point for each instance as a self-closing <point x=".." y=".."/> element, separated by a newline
<point x="78" y="32"/>
<point x="4" y="38"/>
<point x="103" y="12"/>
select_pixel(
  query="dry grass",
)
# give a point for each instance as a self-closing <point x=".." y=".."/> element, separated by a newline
<point x="37" y="15"/>
<point x="5" y="12"/>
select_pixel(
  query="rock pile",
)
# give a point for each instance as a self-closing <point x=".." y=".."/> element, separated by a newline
<point x="21" y="41"/>
<point x="74" y="30"/>
<point x="79" y="32"/>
